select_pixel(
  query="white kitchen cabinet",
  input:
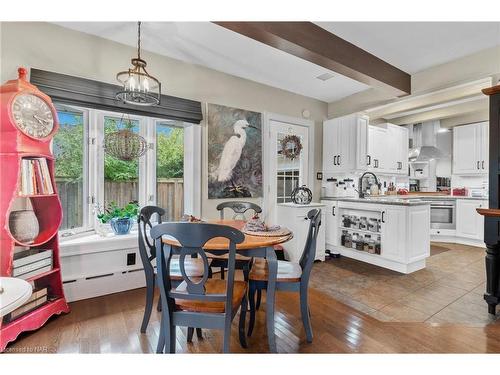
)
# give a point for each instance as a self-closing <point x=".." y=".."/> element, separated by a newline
<point x="331" y="223"/>
<point x="469" y="223"/>
<point x="397" y="156"/>
<point x="345" y="141"/>
<point x="393" y="232"/>
<point x="470" y="149"/>
<point x="376" y="155"/>
<point x="404" y="234"/>
<point x="294" y="217"/>
<point x="387" y="149"/>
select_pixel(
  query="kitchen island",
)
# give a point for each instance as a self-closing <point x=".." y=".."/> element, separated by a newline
<point x="388" y="232"/>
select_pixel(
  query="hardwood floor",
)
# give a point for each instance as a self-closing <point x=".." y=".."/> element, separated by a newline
<point x="450" y="289"/>
<point x="110" y="324"/>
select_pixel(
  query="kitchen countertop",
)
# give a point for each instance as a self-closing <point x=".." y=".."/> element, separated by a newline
<point x="401" y="200"/>
<point x="439" y="197"/>
<point x="389" y="200"/>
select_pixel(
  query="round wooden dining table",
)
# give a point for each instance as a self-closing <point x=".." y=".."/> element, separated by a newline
<point x="252" y="246"/>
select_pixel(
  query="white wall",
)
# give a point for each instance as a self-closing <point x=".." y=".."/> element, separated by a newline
<point x="444" y="143"/>
<point x="51" y="47"/>
<point x="483" y="64"/>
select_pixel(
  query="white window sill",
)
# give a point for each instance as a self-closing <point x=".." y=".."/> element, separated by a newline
<point x="95" y="243"/>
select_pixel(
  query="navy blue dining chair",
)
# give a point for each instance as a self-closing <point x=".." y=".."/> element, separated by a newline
<point x="291" y="276"/>
<point x="147" y="252"/>
<point x="199" y="302"/>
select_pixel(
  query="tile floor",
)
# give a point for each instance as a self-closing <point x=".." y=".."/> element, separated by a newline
<point x="449" y="290"/>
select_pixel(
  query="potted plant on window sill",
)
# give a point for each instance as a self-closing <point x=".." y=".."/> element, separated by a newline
<point x="121" y="219"/>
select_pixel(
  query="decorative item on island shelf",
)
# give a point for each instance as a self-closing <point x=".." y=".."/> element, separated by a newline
<point x="301" y="195"/>
<point x="291" y="147"/>
<point x="121" y="219"/>
<point x="28" y="122"/>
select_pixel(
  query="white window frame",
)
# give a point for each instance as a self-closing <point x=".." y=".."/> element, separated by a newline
<point x="93" y="180"/>
<point x="87" y="222"/>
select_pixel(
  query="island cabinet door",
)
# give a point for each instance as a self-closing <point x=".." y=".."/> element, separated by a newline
<point x="331" y="222"/>
<point x="393" y="232"/>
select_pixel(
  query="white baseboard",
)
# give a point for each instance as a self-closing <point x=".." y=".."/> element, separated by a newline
<point x="91" y="287"/>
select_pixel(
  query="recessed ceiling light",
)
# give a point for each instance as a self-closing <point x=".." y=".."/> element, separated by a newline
<point x="325" y="76"/>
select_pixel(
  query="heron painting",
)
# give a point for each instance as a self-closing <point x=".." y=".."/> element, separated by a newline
<point x="234" y="153"/>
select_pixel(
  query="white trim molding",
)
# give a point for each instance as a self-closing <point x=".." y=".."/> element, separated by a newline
<point x="266" y="131"/>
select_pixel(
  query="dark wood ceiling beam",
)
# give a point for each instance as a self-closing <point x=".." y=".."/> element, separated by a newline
<point x="310" y="42"/>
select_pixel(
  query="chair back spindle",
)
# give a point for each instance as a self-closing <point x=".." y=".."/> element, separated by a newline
<point x="192" y="237"/>
<point x="146" y="244"/>
<point x="239" y="208"/>
<point x="309" y="253"/>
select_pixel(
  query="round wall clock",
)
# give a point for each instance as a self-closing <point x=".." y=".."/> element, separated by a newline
<point x="32" y="115"/>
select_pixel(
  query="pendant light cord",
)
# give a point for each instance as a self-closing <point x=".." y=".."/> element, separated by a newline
<point x="139" y="39"/>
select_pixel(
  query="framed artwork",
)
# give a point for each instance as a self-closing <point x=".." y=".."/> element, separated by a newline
<point x="234" y="153"/>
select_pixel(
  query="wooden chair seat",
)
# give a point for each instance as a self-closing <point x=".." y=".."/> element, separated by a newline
<point x="193" y="267"/>
<point x="287" y="271"/>
<point x="212" y="286"/>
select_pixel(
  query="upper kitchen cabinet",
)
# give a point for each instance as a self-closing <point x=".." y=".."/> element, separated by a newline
<point x="345" y="142"/>
<point x="470" y="149"/>
<point x="398" y="159"/>
<point x="387" y="149"/>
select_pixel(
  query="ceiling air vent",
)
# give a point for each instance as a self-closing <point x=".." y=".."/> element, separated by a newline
<point x="325" y="76"/>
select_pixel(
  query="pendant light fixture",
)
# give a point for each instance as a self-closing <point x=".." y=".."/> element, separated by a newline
<point x="139" y="87"/>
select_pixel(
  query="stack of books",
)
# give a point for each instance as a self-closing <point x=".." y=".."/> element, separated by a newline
<point x="35" y="177"/>
<point x="31" y="262"/>
<point x="38" y="298"/>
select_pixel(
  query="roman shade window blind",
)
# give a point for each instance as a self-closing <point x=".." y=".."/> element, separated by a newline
<point x="88" y="93"/>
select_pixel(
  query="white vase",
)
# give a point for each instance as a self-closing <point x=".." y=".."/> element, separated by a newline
<point x="23" y="225"/>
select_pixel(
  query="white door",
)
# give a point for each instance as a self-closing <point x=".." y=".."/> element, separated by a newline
<point x="329" y="146"/>
<point x="484" y="146"/>
<point x="285" y="174"/>
<point x="376" y="148"/>
<point x="331" y="223"/>
<point x="469" y="223"/>
<point x="393" y="232"/>
<point x="465" y="153"/>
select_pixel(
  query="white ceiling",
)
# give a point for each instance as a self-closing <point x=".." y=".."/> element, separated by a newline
<point x="210" y="45"/>
<point x="415" y="46"/>
<point x="410" y="46"/>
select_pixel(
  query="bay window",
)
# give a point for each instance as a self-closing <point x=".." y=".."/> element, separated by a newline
<point x="88" y="178"/>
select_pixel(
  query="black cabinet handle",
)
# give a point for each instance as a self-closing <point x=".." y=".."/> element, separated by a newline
<point x="383" y="212"/>
<point x="339" y="160"/>
<point x="368" y="160"/>
<point x="333" y="210"/>
<point x="478" y="164"/>
<point x="482" y="164"/>
<point x="335" y="160"/>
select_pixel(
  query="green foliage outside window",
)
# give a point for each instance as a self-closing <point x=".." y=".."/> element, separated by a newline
<point x="68" y="149"/>
<point x="170" y="154"/>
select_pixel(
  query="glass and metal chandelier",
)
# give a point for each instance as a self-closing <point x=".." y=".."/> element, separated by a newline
<point x="139" y="87"/>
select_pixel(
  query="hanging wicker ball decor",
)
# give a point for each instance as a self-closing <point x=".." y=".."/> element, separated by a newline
<point x="124" y="144"/>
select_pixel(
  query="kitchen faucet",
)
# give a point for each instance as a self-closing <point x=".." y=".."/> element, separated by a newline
<point x="360" y="183"/>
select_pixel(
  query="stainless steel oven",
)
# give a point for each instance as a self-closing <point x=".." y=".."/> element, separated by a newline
<point x="443" y="214"/>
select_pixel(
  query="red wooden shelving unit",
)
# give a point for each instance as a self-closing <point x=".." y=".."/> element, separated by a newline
<point x="14" y="146"/>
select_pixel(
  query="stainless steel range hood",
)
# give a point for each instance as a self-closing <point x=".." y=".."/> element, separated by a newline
<point x="424" y="142"/>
